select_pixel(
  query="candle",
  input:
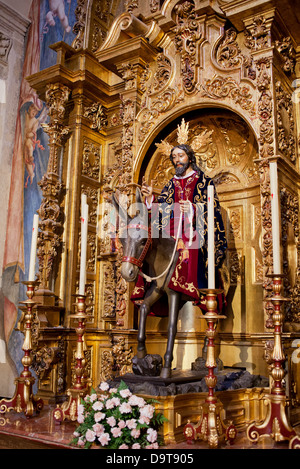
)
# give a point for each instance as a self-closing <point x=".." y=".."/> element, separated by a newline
<point x="34" y="236"/>
<point x="275" y="218"/>
<point x="84" y="227"/>
<point x="211" y="237"/>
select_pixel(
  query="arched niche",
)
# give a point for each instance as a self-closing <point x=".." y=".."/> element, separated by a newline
<point x="227" y="151"/>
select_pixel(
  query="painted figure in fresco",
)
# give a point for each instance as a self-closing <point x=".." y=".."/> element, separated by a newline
<point x="172" y="263"/>
<point x="57" y="8"/>
<point x="32" y="124"/>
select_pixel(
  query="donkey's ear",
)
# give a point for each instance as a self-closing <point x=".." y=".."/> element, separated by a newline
<point x="120" y="210"/>
<point x="139" y="200"/>
<point x="138" y="196"/>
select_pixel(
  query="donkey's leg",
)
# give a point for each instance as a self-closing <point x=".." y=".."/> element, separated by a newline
<point x="174" y="302"/>
<point x="152" y="296"/>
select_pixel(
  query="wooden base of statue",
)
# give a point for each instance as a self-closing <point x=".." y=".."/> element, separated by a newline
<point x="276" y="423"/>
<point x="69" y="409"/>
<point x="211" y="426"/>
<point x="23" y="399"/>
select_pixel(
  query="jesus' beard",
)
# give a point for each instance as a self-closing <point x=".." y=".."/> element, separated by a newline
<point x="181" y="169"/>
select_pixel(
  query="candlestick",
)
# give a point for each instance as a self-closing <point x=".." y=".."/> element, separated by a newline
<point x="276" y="424"/>
<point x="211" y="426"/>
<point x="275" y="218"/>
<point x="23" y="399"/>
<point x="210" y="237"/>
<point x="82" y="385"/>
<point x="84" y="229"/>
<point x="34" y="236"/>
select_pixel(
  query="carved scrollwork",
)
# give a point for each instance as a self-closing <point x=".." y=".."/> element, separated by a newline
<point x="97" y="115"/>
<point x="228" y="54"/>
<point x="219" y="88"/>
<point x="187" y="33"/>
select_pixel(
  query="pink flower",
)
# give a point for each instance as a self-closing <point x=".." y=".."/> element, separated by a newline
<point x="111" y="421"/>
<point x="135" y="400"/>
<point x="153" y="446"/>
<point x="151" y="435"/>
<point x="135" y="433"/>
<point x="104" y="386"/>
<point x="113" y="390"/>
<point x="80" y="442"/>
<point x="113" y="402"/>
<point x="116" y="431"/>
<point x="93" y="397"/>
<point x="125" y="393"/>
<point x="145" y="420"/>
<point x="123" y="446"/>
<point x="136" y="446"/>
<point x="90" y="436"/>
<point x="98" y="405"/>
<point x="104" y="438"/>
<point x="98" y="429"/>
<point x="131" y="423"/>
<point x="122" y="424"/>
<point x="125" y="408"/>
<point x="99" y="416"/>
<point x="147" y="411"/>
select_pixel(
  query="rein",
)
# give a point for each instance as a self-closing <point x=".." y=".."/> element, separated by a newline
<point x="139" y="261"/>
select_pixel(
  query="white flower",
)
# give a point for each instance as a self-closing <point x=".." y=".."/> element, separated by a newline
<point x="151" y="435"/>
<point x="90" y="436"/>
<point x="116" y="432"/>
<point x="125" y="393"/>
<point x="99" y="416"/>
<point x="125" y="408"/>
<point x="135" y="400"/>
<point x="131" y="423"/>
<point x="93" y="397"/>
<point x="104" y="438"/>
<point x="113" y="402"/>
<point x="98" y="429"/>
<point x="135" y="433"/>
<point x="98" y="405"/>
<point x="104" y="386"/>
<point x="111" y="421"/>
<point x="147" y="411"/>
<point x="136" y="446"/>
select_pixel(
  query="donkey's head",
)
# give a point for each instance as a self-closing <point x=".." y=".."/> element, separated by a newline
<point x="134" y="236"/>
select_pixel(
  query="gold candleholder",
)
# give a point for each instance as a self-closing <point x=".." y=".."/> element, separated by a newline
<point x="23" y="399"/>
<point x="276" y="422"/>
<point x="211" y="426"/>
<point x="82" y="385"/>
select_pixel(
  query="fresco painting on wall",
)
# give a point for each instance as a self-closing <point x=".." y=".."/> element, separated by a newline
<point x="51" y="21"/>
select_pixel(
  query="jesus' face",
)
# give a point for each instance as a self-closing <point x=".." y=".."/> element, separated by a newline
<point x="181" y="162"/>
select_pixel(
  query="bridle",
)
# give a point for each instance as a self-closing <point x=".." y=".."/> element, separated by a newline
<point x="140" y="260"/>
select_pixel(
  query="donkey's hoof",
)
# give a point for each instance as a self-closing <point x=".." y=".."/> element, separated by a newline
<point x="165" y="373"/>
<point x="141" y="353"/>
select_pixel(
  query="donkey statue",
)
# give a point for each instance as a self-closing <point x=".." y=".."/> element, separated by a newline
<point x="158" y="257"/>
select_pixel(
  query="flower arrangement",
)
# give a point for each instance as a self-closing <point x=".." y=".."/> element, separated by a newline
<point x="117" y="419"/>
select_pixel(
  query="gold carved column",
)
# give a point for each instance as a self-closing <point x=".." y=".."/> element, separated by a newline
<point x="50" y="224"/>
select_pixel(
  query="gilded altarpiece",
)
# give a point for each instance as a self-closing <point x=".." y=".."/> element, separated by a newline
<point x="229" y="73"/>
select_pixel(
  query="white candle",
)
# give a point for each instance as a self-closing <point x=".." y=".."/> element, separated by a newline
<point x="34" y="236"/>
<point x="275" y="217"/>
<point x="84" y="230"/>
<point x="211" y="237"/>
